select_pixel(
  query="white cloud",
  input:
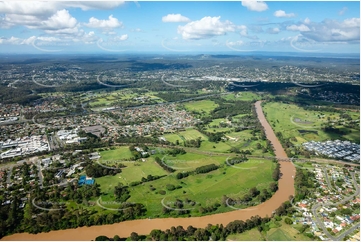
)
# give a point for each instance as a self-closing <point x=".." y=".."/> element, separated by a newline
<point x="258" y="6"/>
<point x="121" y="38"/>
<point x="301" y="28"/>
<point x="11" y="20"/>
<point x="283" y="14"/>
<point x="335" y="31"/>
<point x="351" y="22"/>
<point x="175" y="18"/>
<point x="49" y="16"/>
<point x="343" y="11"/>
<point x="108" y="24"/>
<point x="307" y="21"/>
<point x="17" y="41"/>
<point x="207" y="27"/>
<point x="273" y="30"/>
<point x="89" y="5"/>
<point x="60" y="20"/>
<point x="39" y="8"/>
<point x="28" y="8"/>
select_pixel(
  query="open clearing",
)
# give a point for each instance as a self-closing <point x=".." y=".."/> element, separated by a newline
<point x="205" y="106"/>
<point x="294" y="121"/>
<point x="249" y="235"/>
<point x="118" y="154"/>
<point x="204" y="189"/>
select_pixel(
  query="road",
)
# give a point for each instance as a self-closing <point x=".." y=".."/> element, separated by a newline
<point x="327" y="179"/>
<point x="320" y="223"/>
<point x="40" y="173"/>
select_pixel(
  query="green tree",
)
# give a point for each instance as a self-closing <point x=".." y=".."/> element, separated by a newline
<point x="288" y="220"/>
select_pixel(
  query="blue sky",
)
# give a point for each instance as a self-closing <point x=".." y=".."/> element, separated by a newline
<point x="179" y="27"/>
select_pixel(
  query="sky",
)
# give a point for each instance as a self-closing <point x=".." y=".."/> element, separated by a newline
<point x="179" y="26"/>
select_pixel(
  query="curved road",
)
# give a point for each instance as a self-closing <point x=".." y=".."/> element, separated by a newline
<point x="320" y="223"/>
<point x="145" y="226"/>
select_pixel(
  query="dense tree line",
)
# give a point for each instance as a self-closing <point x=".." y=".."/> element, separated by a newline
<point x="164" y="166"/>
<point x="176" y="151"/>
<point x="22" y="96"/>
<point x="211" y="232"/>
<point x="121" y="192"/>
<point x="95" y="170"/>
<point x="34" y="220"/>
<point x="276" y="172"/>
<point x="182" y="175"/>
<point x="198" y="170"/>
<point x="230" y="108"/>
<point x="304" y="184"/>
<point x="196" y="143"/>
<point x="206" y="168"/>
<point x="237" y="160"/>
<point x="145" y="179"/>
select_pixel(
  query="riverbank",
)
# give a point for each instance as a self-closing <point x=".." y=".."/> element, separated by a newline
<point x="145" y="226"/>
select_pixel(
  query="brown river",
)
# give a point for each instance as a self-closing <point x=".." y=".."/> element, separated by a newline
<point x="145" y="226"/>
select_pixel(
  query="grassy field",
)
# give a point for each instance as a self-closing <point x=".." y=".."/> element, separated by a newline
<point x="278" y="235"/>
<point x="201" y="106"/>
<point x="204" y="189"/>
<point x="280" y="232"/>
<point x="289" y="119"/>
<point x="249" y="235"/>
<point x="190" y="161"/>
<point x="189" y="134"/>
<point x="239" y="140"/>
<point x="221" y="147"/>
<point x="245" y="96"/>
<point x="285" y="232"/>
<point x="133" y="172"/>
<point x="120" y="153"/>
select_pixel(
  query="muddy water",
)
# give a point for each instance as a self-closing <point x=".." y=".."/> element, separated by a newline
<point x="145" y="226"/>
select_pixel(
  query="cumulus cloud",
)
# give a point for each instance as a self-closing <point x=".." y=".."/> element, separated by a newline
<point x="44" y="15"/>
<point x="107" y="24"/>
<point x="301" y="28"/>
<point x="175" y="18"/>
<point x="60" y="20"/>
<point x="283" y="14"/>
<point x="27" y="41"/>
<point x="207" y="27"/>
<point x="121" y="38"/>
<point x="258" y="6"/>
<point x="329" y="30"/>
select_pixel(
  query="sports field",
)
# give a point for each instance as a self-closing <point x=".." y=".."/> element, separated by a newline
<point x="118" y="154"/>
